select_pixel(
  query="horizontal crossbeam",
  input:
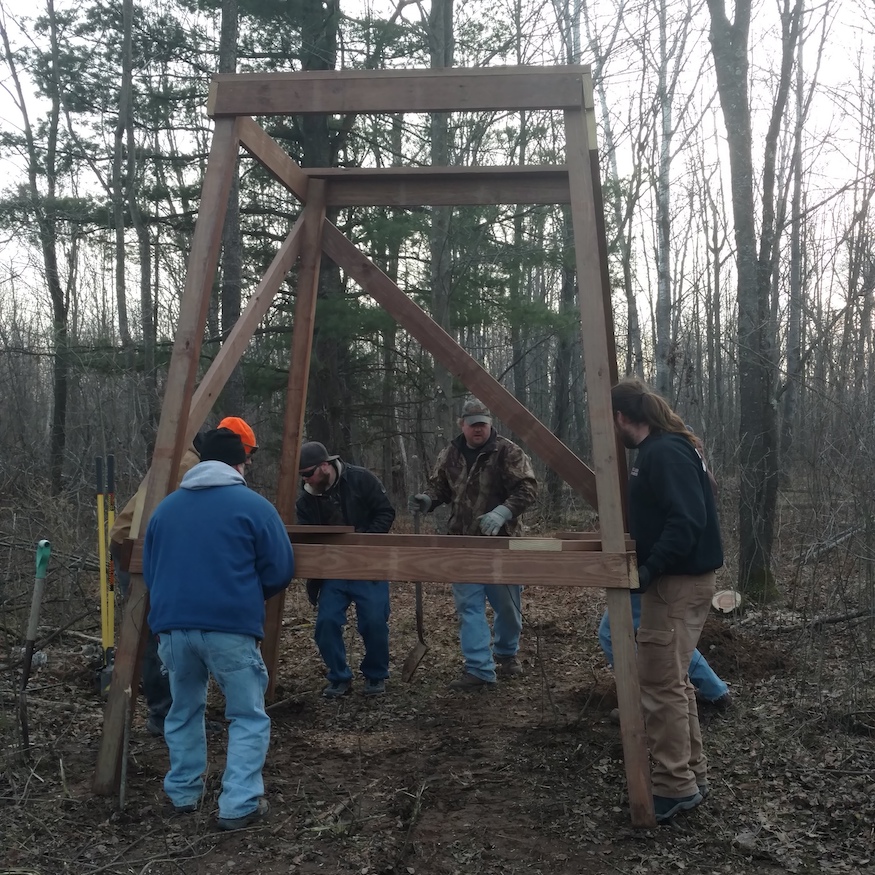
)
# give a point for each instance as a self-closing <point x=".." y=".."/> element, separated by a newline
<point x="442" y="186"/>
<point x="394" y="91"/>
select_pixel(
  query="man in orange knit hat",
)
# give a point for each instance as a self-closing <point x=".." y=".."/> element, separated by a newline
<point x="156" y="686"/>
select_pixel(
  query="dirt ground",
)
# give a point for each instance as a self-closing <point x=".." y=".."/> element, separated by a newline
<point x="524" y="779"/>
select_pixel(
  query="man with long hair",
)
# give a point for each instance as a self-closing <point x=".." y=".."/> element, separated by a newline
<point x="673" y="520"/>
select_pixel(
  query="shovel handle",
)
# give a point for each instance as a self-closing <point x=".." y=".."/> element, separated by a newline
<point x="43" y="552"/>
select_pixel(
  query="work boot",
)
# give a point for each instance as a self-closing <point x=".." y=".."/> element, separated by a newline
<point x="374" y="687"/>
<point x="469" y="683"/>
<point x="230" y="823"/>
<point x="508" y="666"/>
<point x="336" y="689"/>
<point x="666" y="807"/>
<point x="720" y="705"/>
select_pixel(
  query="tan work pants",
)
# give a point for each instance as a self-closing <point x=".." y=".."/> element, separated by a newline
<point x="673" y="612"/>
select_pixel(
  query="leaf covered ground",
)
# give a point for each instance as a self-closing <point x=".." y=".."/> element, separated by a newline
<point x="525" y="779"/>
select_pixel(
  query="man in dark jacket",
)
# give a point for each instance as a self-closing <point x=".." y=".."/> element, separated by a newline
<point x="214" y="552"/>
<point x="337" y="494"/>
<point x="488" y="481"/>
<point x="673" y="520"/>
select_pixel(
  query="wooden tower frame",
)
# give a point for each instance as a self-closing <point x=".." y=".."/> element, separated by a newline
<point x="605" y="559"/>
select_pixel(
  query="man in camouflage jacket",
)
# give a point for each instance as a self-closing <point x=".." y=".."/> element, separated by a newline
<point x="488" y="481"/>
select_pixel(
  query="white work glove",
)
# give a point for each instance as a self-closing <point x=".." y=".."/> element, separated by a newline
<point x="491" y="523"/>
<point x="419" y="503"/>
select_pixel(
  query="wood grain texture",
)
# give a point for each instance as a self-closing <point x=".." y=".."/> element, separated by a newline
<point x="296" y="403"/>
<point x="455" y="89"/>
<point x="451" y="565"/>
<point x="437" y="186"/>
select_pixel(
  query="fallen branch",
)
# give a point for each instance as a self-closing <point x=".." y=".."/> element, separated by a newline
<point x="817" y="624"/>
<point x="817" y="550"/>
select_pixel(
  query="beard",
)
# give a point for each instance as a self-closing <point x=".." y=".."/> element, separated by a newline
<point x="628" y="440"/>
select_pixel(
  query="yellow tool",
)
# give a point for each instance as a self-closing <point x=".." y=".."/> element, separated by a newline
<point x="107" y="581"/>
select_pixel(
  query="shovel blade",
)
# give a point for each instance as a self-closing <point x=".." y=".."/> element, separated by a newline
<point x="413" y="659"/>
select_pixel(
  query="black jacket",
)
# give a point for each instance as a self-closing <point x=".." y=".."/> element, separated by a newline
<point x="357" y="499"/>
<point x="672" y="513"/>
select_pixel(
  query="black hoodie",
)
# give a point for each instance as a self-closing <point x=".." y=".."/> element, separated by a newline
<point x="672" y="513"/>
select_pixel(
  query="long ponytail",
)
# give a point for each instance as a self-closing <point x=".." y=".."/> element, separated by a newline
<point x="640" y="404"/>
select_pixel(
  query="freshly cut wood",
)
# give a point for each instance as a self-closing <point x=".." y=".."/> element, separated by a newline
<point x="726" y="601"/>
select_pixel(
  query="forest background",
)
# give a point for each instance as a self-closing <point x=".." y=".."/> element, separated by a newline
<point x="736" y="148"/>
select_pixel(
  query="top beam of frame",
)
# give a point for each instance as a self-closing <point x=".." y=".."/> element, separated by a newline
<point x="456" y="89"/>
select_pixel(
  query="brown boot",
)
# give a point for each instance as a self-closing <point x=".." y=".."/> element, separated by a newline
<point x="469" y="683"/>
<point x="508" y="666"/>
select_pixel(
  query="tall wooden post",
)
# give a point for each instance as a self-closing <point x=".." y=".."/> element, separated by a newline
<point x="599" y="369"/>
<point x="296" y="400"/>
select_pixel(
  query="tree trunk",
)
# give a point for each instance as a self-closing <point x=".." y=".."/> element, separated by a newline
<point x="758" y="462"/>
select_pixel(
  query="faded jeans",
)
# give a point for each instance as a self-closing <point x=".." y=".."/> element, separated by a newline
<point x="234" y="660"/>
<point x="709" y="684"/>
<point x="474" y="633"/>
<point x="673" y="612"/>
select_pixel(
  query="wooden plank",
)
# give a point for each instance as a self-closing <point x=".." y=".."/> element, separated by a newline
<point x="272" y="157"/>
<point x="455" y="89"/>
<point x="171" y="438"/>
<point x="451" y="542"/>
<point x="445" y="349"/>
<point x="635" y="758"/>
<point x="594" y="537"/>
<point x="444" y="564"/>
<point x="593" y="321"/>
<point x="416" y="186"/>
<point x="296" y="403"/>
<point x="601" y="234"/>
<point x="599" y="369"/>
<point x="346" y="537"/>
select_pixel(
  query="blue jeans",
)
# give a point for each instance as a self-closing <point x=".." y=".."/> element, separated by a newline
<point x="371" y="598"/>
<point x="156" y="685"/>
<point x="702" y="676"/>
<point x="474" y="633"/>
<point x="234" y="660"/>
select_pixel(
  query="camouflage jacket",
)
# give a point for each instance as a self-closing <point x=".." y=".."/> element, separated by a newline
<point x="502" y="474"/>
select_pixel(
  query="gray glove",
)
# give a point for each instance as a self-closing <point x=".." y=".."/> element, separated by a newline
<point x="491" y="523"/>
<point x="419" y="503"/>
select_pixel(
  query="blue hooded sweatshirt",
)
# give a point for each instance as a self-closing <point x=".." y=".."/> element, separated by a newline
<point x="214" y="551"/>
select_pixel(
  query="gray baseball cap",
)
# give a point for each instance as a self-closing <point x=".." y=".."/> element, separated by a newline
<point x="474" y="412"/>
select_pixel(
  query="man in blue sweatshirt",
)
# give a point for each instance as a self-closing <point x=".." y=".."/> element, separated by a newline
<point x="214" y="552"/>
<point x="673" y="520"/>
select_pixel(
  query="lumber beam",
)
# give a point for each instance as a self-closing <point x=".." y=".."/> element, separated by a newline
<point x="455" y="89"/>
<point x="443" y="564"/>
<point x="442" y="186"/>
<point x="450" y="354"/>
<point x="600" y="370"/>
<point x="296" y="403"/>
<point x="170" y="441"/>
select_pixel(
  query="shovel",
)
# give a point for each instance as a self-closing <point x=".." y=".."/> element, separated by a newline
<point x="43" y="552"/>
<point x="420" y="648"/>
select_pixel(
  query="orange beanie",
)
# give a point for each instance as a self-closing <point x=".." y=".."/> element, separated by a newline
<point x="241" y="428"/>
